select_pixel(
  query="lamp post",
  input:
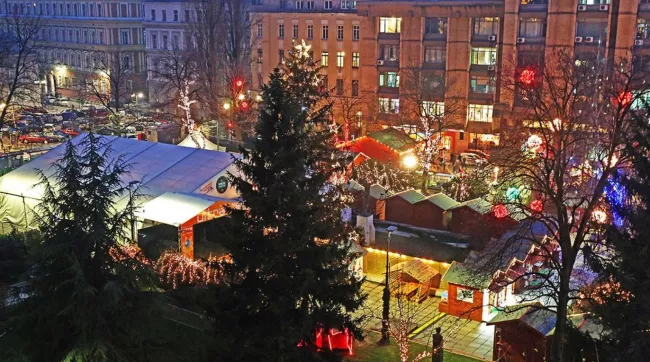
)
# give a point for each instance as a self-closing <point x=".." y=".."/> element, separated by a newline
<point x="385" y="338"/>
<point x="131" y="185"/>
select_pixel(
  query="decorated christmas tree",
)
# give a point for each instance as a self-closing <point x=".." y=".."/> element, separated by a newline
<point x="291" y="251"/>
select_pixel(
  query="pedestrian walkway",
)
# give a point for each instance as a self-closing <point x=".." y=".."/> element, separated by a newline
<point x="462" y="336"/>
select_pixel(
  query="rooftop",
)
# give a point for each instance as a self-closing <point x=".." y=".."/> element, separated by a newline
<point x="393" y="138"/>
<point x="442" y="201"/>
<point x="430" y="244"/>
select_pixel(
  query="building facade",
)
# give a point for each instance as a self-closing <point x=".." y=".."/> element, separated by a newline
<point x="455" y="50"/>
<point x="79" y="35"/>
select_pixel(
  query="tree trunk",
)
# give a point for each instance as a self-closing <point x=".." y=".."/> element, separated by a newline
<point x="425" y="181"/>
<point x="559" y="338"/>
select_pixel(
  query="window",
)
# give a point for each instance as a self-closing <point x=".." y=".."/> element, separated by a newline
<point x="153" y="14"/>
<point x="299" y="5"/>
<point x="327" y="4"/>
<point x="484" y="56"/>
<point x="389" y="79"/>
<point x="125" y="37"/>
<point x="326" y="32"/>
<point x="432" y="109"/>
<point x="435" y="26"/>
<point x="67" y="9"/>
<point x="481" y="84"/>
<point x="435" y="55"/>
<point x="339" y="87"/>
<point x="123" y="11"/>
<point x="532" y="28"/>
<point x="593" y="2"/>
<point x="596" y="28"/>
<point x="154" y="41"/>
<point x="83" y="10"/>
<point x="99" y="10"/>
<point x="164" y="41"/>
<point x="295" y="31"/>
<point x="345" y="4"/>
<point x="479" y="113"/>
<point x="310" y="32"/>
<point x="642" y="29"/>
<point x="390" y="25"/>
<point x="464" y="295"/>
<point x="310" y="5"/>
<point x="486" y="26"/>
<point x="126" y="60"/>
<point x="339" y="32"/>
<point x="260" y="30"/>
<point x="101" y="37"/>
<point x="324" y="59"/>
<point x="340" y="59"/>
<point x="164" y="15"/>
<point x="389" y="52"/>
<point x="355" y="88"/>
<point x="388" y="105"/>
<point x="259" y="56"/>
<point x="187" y="15"/>
<point x="75" y="9"/>
<point x="175" y="42"/>
<point x="281" y="31"/>
<point x="281" y="56"/>
<point x="175" y="15"/>
<point x="355" y="32"/>
<point x="355" y="60"/>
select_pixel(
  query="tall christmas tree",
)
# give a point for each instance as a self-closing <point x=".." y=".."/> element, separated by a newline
<point x="290" y="248"/>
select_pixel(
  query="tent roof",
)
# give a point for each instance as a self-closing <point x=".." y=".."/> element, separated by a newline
<point x="393" y="138"/>
<point x="159" y="167"/>
<point x="197" y="136"/>
<point x="175" y="208"/>
<point x="417" y="269"/>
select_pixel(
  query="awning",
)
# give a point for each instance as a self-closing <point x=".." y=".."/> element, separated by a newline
<point x="174" y="208"/>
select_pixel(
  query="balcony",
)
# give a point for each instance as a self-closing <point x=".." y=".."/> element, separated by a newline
<point x="387" y="64"/>
<point x="388" y="36"/>
<point x="392" y="91"/>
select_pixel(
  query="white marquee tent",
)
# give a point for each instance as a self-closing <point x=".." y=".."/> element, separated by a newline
<point x="159" y="167"/>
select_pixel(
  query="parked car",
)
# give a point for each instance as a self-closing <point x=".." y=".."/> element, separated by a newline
<point x="55" y="137"/>
<point x="69" y="115"/>
<point x="33" y="138"/>
<point x="473" y="159"/>
<point x="71" y="132"/>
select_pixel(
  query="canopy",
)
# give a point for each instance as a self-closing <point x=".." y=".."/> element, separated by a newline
<point x="196" y="139"/>
<point x="175" y="208"/>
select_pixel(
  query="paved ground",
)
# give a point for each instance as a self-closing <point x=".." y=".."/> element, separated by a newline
<point x="461" y="335"/>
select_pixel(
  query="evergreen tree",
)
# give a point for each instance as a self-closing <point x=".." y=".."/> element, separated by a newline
<point x="622" y="302"/>
<point x="84" y="296"/>
<point x="289" y="246"/>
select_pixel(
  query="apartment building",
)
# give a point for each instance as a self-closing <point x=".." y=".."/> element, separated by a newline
<point x="166" y="25"/>
<point x="76" y="34"/>
<point x="458" y="46"/>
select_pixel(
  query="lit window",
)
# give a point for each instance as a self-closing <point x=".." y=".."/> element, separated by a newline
<point x="390" y="25"/>
<point x="355" y="60"/>
<point x="479" y="113"/>
<point x="388" y="105"/>
<point x="484" y="56"/>
<point x="340" y="59"/>
<point x="532" y="28"/>
<point x="433" y="109"/>
<point x="389" y="79"/>
<point x="389" y="52"/>
<point x="324" y="59"/>
<point x="486" y="26"/>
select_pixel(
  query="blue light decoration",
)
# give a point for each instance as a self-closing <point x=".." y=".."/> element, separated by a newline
<point x="616" y="195"/>
<point x="512" y="193"/>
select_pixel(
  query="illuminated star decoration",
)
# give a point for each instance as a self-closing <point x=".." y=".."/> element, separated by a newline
<point x="303" y="50"/>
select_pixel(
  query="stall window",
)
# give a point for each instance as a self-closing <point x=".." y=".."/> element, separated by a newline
<point x="464" y="295"/>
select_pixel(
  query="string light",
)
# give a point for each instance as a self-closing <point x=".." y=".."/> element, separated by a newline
<point x="500" y="211"/>
<point x="175" y="268"/>
<point x="608" y="291"/>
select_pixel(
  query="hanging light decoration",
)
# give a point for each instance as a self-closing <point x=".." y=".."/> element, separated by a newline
<point x="500" y="211"/>
<point x="527" y="77"/>
<point x="537" y="205"/>
<point x="534" y="142"/>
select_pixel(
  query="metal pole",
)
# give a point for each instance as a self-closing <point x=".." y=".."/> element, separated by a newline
<point x="385" y="337"/>
<point x="218" y="121"/>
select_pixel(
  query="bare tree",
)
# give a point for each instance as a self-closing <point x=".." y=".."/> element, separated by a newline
<point x="19" y="62"/>
<point x="423" y="106"/>
<point x="346" y="108"/>
<point x="109" y="84"/>
<point x="556" y="167"/>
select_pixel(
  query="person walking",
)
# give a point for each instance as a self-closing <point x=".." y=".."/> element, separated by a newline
<point x="438" y="343"/>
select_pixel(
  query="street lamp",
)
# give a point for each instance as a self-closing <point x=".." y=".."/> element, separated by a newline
<point x="131" y="186"/>
<point x="385" y="338"/>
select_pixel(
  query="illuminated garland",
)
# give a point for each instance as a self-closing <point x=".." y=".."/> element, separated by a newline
<point x="608" y="291"/>
<point x="129" y="251"/>
<point x="175" y="268"/>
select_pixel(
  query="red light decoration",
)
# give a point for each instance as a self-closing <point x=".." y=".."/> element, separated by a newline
<point x="244" y="105"/>
<point x="229" y="124"/>
<point x="625" y="98"/>
<point x="527" y="77"/>
<point x="537" y="205"/>
<point x="239" y="83"/>
<point x="500" y="211"/>
<point x="336" y="340"/>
